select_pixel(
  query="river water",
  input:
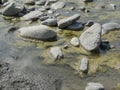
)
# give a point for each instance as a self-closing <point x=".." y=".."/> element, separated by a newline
<point x="22" y="53"/>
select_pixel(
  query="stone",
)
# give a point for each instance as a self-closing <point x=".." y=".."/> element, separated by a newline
<point x="40" y="2"/>
<point x="94" y="86"/>
<point x="90" y="39"/>
<point x="89" y="23"/>
<point x="112" y="6"/>
<point x="4" y="1"/>
<point x="13" y="8"/>
<point x="77" y="26"/>
<point x="110" y="26"/>
<point x="63" y="23"/>
<point x="87" y="0"/>
<point x="39" y="32"/>
<point x="32" y="15"/>
<point x="48" y="2"/>
<point x="50" y="22"/>
<point x="29" y="2"/>
<point x="42" y="18"/>
<point x="75" y="41"/>
<point x="56" y="53"/>
<point x="84" y="65"/>
<point x="58" y="5"/>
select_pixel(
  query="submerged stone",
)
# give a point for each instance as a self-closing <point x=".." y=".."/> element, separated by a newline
<point x="109" y="27"/>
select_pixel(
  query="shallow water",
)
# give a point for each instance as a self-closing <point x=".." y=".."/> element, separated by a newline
<point x="14" y="49"/>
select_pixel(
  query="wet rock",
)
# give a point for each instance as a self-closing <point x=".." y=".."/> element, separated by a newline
<point x="89" y="23"/>
<point x="84" y="65"/>
<point x="13" y="8"/>
<point x="91" y="38"/>
<point x="50" y="22"/>
<point x="109" y="27"/>
<point x="58" y="5"/>
<point x="29" y="2"/>
<point x="75" y="26"/>
<point x="56" y="53"/>
<point x="63" y="23"/>
<point x="87" y="0"/>
<point x="75" y="41"/>
<point x="32" y="15"/>
<point x="39" y="32"/>
<point x="43" y="18"/>
<point x="94" y="86"/>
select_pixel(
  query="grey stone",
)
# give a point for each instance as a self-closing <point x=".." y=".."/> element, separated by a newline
<point x="94" y="86"/>
<point x="84" y="65"/>
<point x="50" y="22"/>
<point x="90" y="39"/>
<point x="109" y="27"/>
<point x="63" y="23"/>
<point x="77" y="26"/>
<point x="89" y="23"/>
<point x="13" y="8"/>
<point x="39" y="32"/>
<point x="32" y="15"/>
<point x="43" y="18"/>
<point x="29" y="2"/>
<point x="40" y="2"/>
<point x="58" y="5"/>
<point x="56" y="53"/>
<point x="4" y="1"/>
<point x="48" y="2"/>
<point x="75" y="41"/>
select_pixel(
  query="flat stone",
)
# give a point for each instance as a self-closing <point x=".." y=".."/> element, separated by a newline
<point x="75" y="41"/>
<point x="50" y="22"/>
<point x="90" y="39"/>
<point x="29" y="2"/>
<point x="58" y="5"/>
<point x="32" y="15"/>
<point x="94" y="86"/>
<point x="110" y="26"/>
<point x="63" y="23"/>
<point x="56" y="53"/>
<point x="39" y="32"/>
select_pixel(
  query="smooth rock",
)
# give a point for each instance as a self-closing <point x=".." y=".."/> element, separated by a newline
<point x="48" y="2"/>
<point x="4" y="1"/>
<point x="90" y="39"/>
<point x="109" y="27"/>
<point x="56" y="53"/>
<point x="58" y="5"/>
<point x="13" y="8"/>
<point x="63" y="23"/>
<point x="42" y="18"/>
<point x="94" y="86"/>
<point x="77" y="26"/>
<point x="29" y="2"/>
<point x="50" y="22"/>
<point x="75" y="41"/>
<point x="84" y="65"/>
<point x="39" y="32"/>
<point x="32" y="15"/>
<point x="40" y="2"/>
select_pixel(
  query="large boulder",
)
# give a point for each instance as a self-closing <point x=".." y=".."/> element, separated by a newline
<point x="91" y="38"/>
<point x="56" y="53"/>
<point x="39" y="32"/>
<point x="109" y="27"/>
<point x="68" y="21"/>
<point x="13" y="8"/>
<point x="58" y="5"/>
<point x="94" y="86"/>
<point x="32" y="15"/>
